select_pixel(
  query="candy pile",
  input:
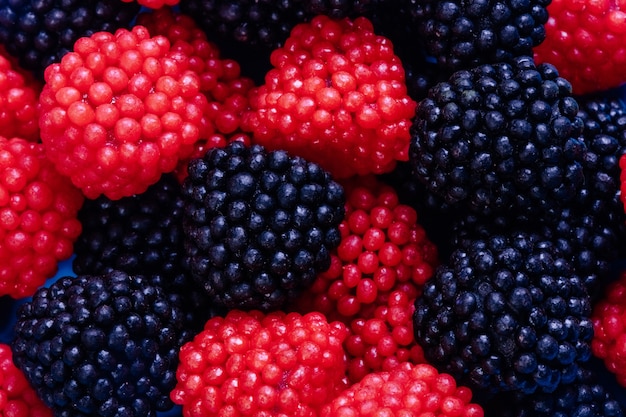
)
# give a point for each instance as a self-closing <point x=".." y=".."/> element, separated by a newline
<point x="312" y="208"/>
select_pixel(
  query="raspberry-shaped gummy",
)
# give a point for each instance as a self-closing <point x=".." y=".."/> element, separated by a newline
<point x="258" y="225"/>
<point x="248" y="363"/>
<point x="336" y="96"/>
<point x="500" y="138"/>
<point x="507" y="312"/>
<point x="462" y="34"/>
<point x="119" y="111"/>
<point x="410" y="390"/>
<point x="38" y="217"/>
<point x="41" y="33"/>
<point x="585" y="41"/>
<point x="221" y="81"/>
<point x="381" y="337"/>
<point x="101" y="345"/>
<point x="19" y="96"/>
<point x="609" y="340"/>
<point x="382" y="249"/>
<point x="17" y="398"/>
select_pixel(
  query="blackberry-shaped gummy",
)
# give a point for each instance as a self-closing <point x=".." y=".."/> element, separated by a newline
<point x="462" y="34"/>
<point x="506" y="313"/>
<point x="100" y="345"/>
<point x="587" y="396"/>
<point x="261" y="23"/>
<point x="141" y="235"/>
<point x="500" y="138"/>
<point x="39" y="33"/>
<point x="604" y="133"/>
<point x="258" y="226"/>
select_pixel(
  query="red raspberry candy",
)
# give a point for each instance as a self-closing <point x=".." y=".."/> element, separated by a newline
<point x="382" y="337"/>
<point x="249" y="363"/>
<point x="408" y="391"/>
<point x="337" y="96"/>
<point x="119" y="111"/>
<point x="38" y="217"/>
<point x="221" y="81"/>
<point x="586" y="41"/>
<point x="375" y="276"/>
<point x="17" y="398"/>
<point x="609" y="326"/>
<point x="19" y="95"/>
<point x="382" y="249"/>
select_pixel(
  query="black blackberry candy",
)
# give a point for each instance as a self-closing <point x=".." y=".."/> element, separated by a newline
<point x="261" y="23"/>
<point x="463" y="34"/>
<point x="142" y="235"/>
<point x="258" y="226"/>
<point x="500" y="138"/>
<point x="586" y="397"/>
<point x="506" y="313"/>
<point x="40" y="32"/>
<point x="100" y="345"/>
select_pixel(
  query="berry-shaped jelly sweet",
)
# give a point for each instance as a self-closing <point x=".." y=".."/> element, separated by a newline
<point x="119" y="111"/>
<point x="336" y="96"/>
<point x="38" y="217"/>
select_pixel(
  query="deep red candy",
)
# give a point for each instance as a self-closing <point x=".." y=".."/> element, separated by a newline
<point x="250" y="363"/>
<point x="410" y="390"/>
<point x="38" y="217"/>
<point x="336" y="96"/>
<point x="119" y="111"/>
<point x="586" y="41"/>
<point x="17" y="398"/>
<point x="225" y="89"/>
<point x="376" y="273"/>
<point x="609" y="325"/>
<point x="19" y="95"/>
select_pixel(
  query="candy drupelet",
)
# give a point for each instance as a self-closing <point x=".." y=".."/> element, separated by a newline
<point x="312" y="208"/>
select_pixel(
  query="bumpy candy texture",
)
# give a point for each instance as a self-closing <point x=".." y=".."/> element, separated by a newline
<point x="19" y="96"/>
<point x="604" y="134"/>
<point x="141" y="235"/>
<point x="500" y="138"/>
<point x="506" y="313"/>
<point x="38" y="217"/>
<point x="259" y="23"/>
<point x="336" y="96"/>
<point x="587" y="397"/>
<point x="410" y="390"/>
<point x="258" y="226"/>
<point x="40" y="33"/>
<point x="585" y="40"/>
<point x="376" y="273"/>
<point x="221" y="81"/>
<point x="463" y="34"/>
<point x="17" y="397"/>
<point x="100" y="345"/>
<point x="609" y="341"/>
<point x="119" y="111"/>
<point x="249" y="363"/>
